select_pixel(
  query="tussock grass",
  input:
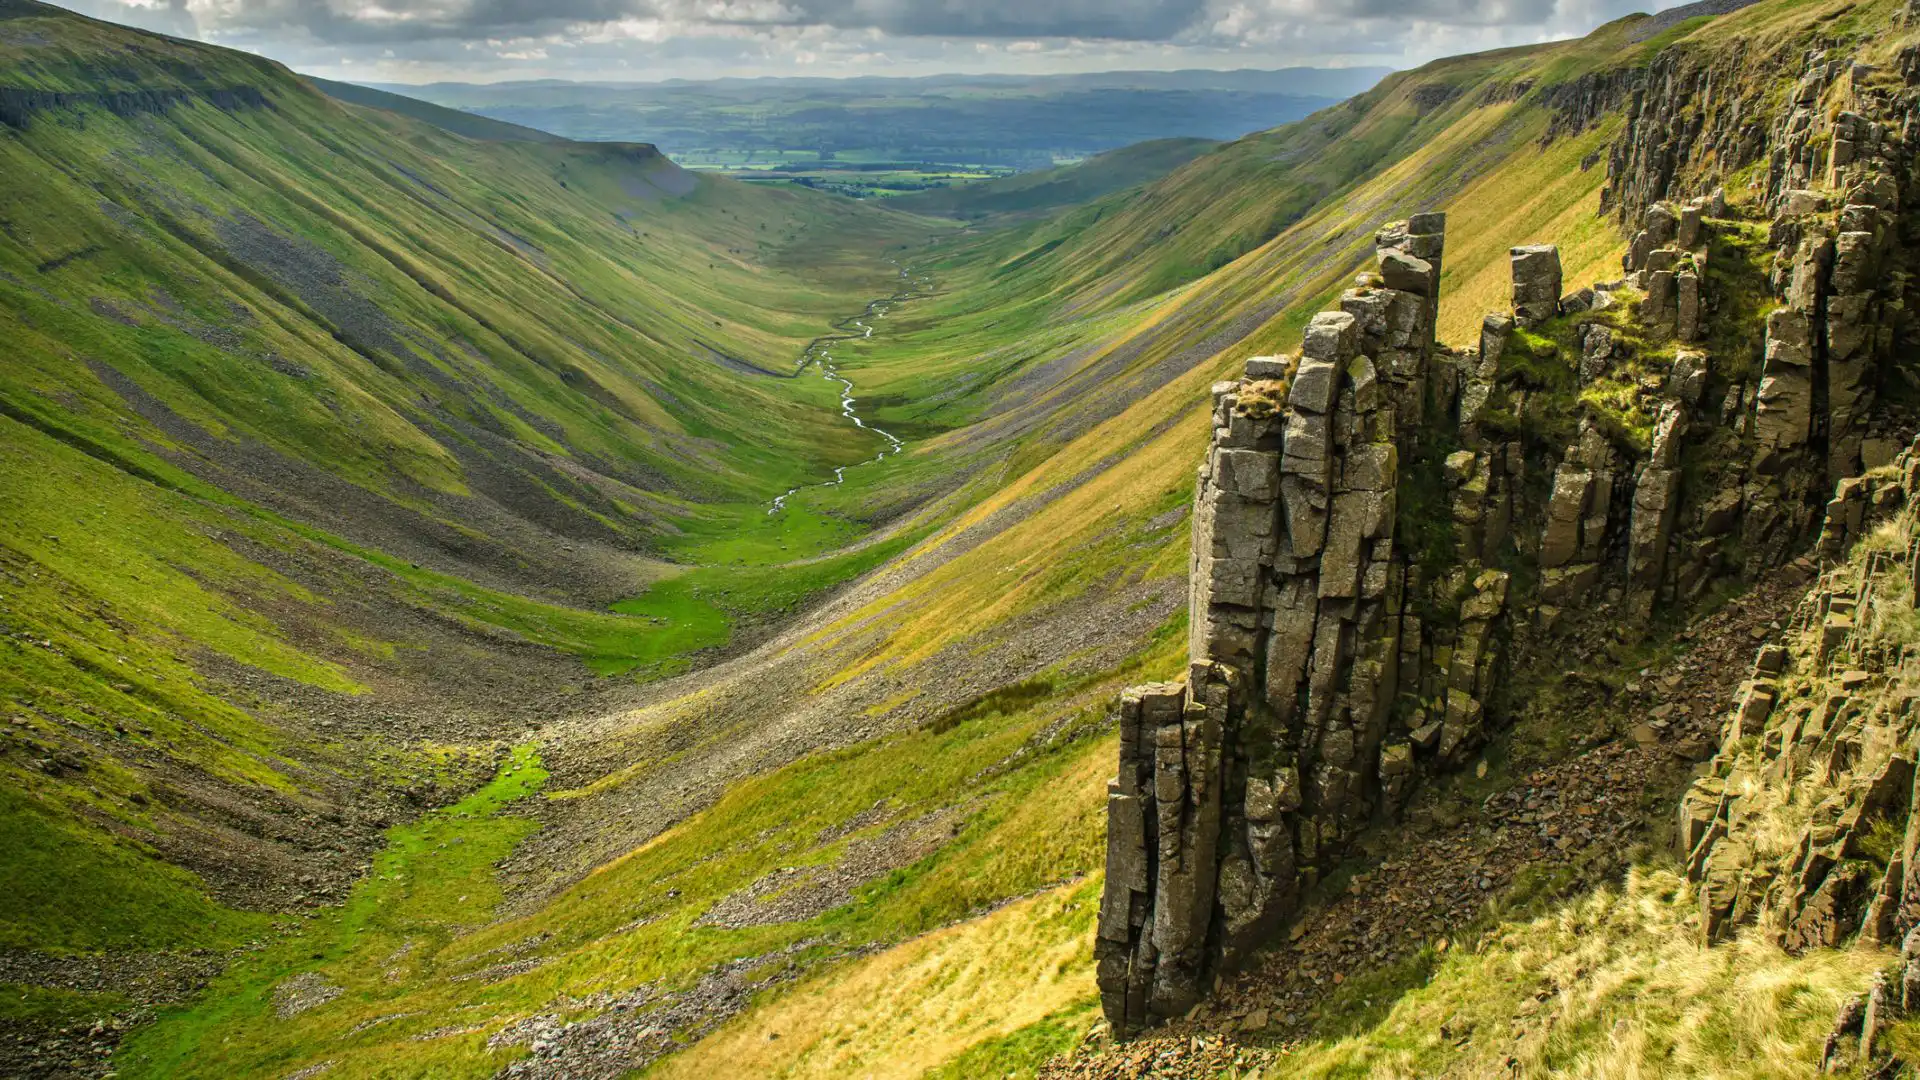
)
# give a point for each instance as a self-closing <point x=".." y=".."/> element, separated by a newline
<point x="920" y="1007"/>
<point x="1614" y="984"/>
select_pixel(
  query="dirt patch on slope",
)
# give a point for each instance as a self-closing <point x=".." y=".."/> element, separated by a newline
<point x="798" y="893"/>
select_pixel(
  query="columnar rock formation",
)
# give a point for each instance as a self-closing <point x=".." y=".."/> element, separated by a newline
<point x="1378" y="516"/>
<point x="1316" y="689"/>
<point x="1804" y="825"/>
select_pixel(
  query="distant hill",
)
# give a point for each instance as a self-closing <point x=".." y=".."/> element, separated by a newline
<point x="1066" y="185"/>
<point x="471" y="125"/>
<point x="1025" y="121"/>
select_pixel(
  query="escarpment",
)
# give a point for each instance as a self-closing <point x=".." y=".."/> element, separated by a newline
<point x="19" y="106"/>
<point x="1381" y="521"/>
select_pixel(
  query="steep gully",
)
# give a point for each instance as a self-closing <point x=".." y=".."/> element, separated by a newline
<point x="817" y="354"/>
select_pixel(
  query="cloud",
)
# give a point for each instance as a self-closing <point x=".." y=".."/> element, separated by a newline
<point x="357" y="21"/>
<point x="1173" y="21"/>
<point x="161" y="16"/>
<point x="694" y="38"/>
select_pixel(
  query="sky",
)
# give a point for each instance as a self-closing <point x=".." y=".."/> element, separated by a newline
<point x="417" y="41"/>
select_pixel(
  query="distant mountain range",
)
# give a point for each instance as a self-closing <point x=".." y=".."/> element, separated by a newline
<point x="1338" y="82"/>
<point x="1018" y="120"/>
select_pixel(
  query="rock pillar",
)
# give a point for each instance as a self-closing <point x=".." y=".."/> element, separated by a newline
<point x="1293" y="729"/>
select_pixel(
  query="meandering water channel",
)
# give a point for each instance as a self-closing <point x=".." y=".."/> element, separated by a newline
<point x="819" y="355"/>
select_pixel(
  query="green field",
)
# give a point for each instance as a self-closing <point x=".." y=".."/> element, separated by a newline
<point x="855" y="175"/>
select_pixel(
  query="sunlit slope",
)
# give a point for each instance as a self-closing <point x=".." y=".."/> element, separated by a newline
<point x="1080" y="453"/>
<point x="1078" y="431"/>
<point x="1230" y="202"/>
<point x="1095" y="414"/>
<point x="1102" y="514"/>
<point x="1044" y="330"/>
<point x="326" y="437"/>
<point x="410" y="311"/>
<point x="928" y="748"/>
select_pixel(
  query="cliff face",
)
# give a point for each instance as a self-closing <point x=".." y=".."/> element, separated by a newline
<point x="1381" y="521"/>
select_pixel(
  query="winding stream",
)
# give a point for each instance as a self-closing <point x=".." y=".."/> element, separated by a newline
<point x="819" y="354"/>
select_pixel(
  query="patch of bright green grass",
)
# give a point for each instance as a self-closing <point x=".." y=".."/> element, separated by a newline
<point x="698" y="609"/>
<point x="1019" y="1055"/>
<point x="405" y="945"/>
<point x="434" y="879"/>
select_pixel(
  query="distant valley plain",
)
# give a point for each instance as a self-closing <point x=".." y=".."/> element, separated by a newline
<point x="887" y="136"/>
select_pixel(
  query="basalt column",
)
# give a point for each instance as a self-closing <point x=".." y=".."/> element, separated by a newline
<point x="1286" y="737"/>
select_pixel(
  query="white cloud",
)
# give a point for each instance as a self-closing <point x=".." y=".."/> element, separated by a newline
<point x="431" y="39"/>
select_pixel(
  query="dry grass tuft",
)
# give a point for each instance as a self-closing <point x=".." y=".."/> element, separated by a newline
<point x="919" y="1004"/>
<point x="1615" y="984"/>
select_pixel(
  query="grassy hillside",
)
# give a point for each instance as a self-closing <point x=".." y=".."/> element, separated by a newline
<point x="472" y="125"/>
<point x="1089" y="410"/>
<point x="1058" y="390"/>
<point x="1066" y="185"/>
<point x="1073" y="480"/>
<point x="329" y="437"/>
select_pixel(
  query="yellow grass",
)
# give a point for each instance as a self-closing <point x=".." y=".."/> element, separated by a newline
<point x="1614" y="985"/>
<point x="1552" y="201"/>
<point x="919" y="1004"/>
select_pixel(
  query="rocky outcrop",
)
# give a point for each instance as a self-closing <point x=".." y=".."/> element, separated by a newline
<point x="1803" y="827"/>
<point x="1378" y="515"/>
<point x="18" y="105"/>
<point x="1321" y="682"/>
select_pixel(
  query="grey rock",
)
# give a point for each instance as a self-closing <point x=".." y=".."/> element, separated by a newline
<point x="1536" y="283"/>
<point x="1314" y="385"/>
<point x="1406" y="273"/>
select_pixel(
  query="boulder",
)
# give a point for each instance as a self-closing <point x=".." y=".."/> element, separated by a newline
<point x="1687" y="380"/>
<point x="1536" y="283"/>
<point x="1329" y="337"/>
<point x="1314" y="384"/>
<point x="1253" y="475"/>
<point x="1687" y="317"/>
<point x="1406" y="273"/>
<point x="1572" y="490"/>
<point x="1269" y="367"/>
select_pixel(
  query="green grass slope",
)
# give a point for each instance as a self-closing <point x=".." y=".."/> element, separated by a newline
<point x="1044" y="190"/>
<point x="570" y="396"/>
<point x="1088" y="409"/>
<point x="1066" y="392"/>
<point x="329" y="437"/>
<point x="468" y="124"/>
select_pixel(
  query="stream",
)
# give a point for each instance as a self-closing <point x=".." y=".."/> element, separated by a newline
<point x="819" y="355"/>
